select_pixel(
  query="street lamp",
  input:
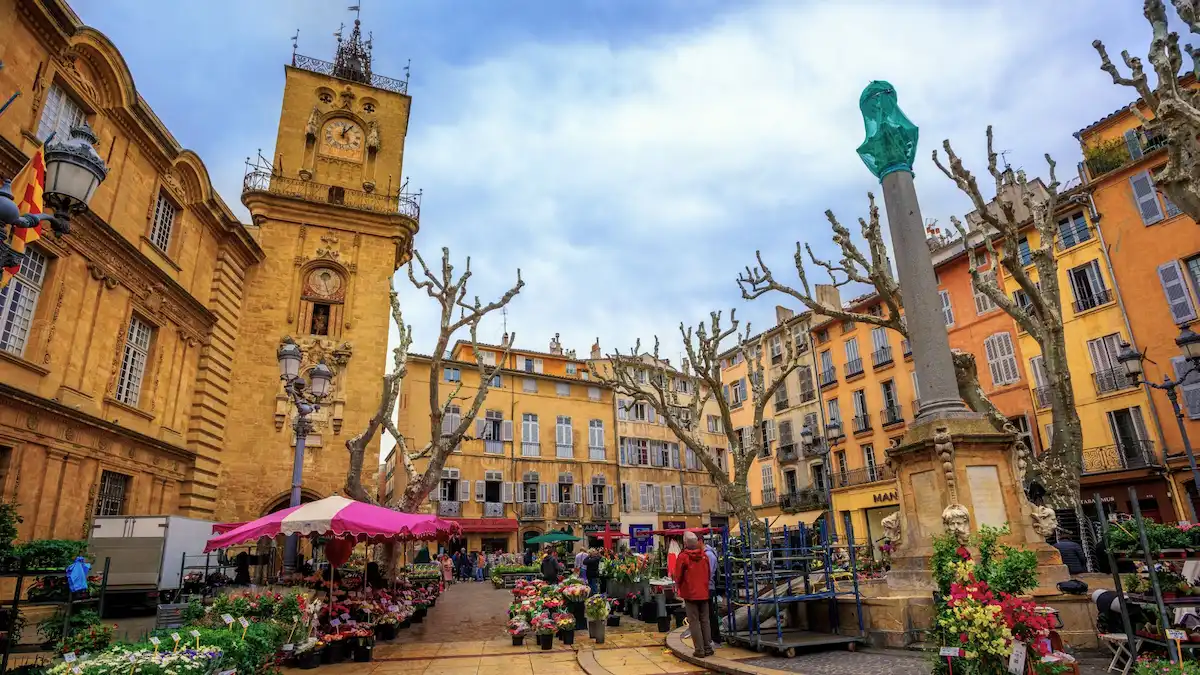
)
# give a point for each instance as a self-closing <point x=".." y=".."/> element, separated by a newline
<point x="818" y="447"/>
<point x="320" y="378"/>
<point x="1189" y="343"/>
<point x="73" y="171"/>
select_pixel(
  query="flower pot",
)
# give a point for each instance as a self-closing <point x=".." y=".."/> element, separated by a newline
<point x="404" y="624"/>
<point x="596" y="631"/>
<point x="518" y="640"/>
<point x="335" y="652"/>
<point x="614" y="620"/>
<point x="362" y="653"/>
<point x="385" y="631"/>
<point x="664" y="624"/>
<point x="309" y="659"/>
<point x="576" y="609"/>
<point x="568" y="637"/>
<point x="546" y="642"/>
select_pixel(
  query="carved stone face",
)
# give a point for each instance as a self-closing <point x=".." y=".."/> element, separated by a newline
<point x="957" y="521"/>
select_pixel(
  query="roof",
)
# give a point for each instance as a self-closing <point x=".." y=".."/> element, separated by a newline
<point x="1186" y="80"/>
<point x="800" y="316"/>
<point x="513" y="371"/>
<point x="517" y="350"/>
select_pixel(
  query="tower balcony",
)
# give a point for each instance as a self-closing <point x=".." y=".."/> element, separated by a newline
<point x="263" y="180"/>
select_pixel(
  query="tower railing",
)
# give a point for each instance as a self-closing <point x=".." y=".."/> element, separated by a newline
<point x="320" y="67"/>
<point x="259" y="179"/>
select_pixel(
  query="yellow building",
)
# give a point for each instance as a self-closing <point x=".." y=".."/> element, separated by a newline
<point x="663" y="485"/>
<point x="117" y="339"/>
<point x="543" y="455"/>
<point x="335" y="225"/>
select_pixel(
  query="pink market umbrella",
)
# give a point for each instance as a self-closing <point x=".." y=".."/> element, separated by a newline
<point x="338" y="517"/>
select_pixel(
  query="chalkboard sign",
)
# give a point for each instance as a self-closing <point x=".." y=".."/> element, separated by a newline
<point x="169" y="616"/>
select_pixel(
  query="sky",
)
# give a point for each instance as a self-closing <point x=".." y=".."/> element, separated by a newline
<point x="630" y="156"/>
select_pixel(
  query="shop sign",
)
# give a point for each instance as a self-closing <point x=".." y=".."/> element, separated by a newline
<point x="591" y="528"/>
<point x="1105" y="500"/>
<point x="674" y="524"/>
<point x="640" y="538"/>
<point x="885" y="497"/>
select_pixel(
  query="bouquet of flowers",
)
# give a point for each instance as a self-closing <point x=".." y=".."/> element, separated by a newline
<point x="308" y="645"/>
<point x="553" y="603"/>
<point x="564" y="621"/>
<point x="576" y="592"/>
<point x="543" y="624"/>
<point x="183" y="662"/>
<point x="596" y="608"/>
<point x="518" y="626"/>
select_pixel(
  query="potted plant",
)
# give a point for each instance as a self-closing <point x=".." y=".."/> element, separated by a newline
<point x="385" y="628"/>
<point x="544" y="627"/>
<point x="335" y="648"/>
<point x="597" y="610"/>
<point x="308" y="653"/>
<point x="614" y="615"/>
<point x="362" y="643"/>
<point x="518" y="627"/>
<point x="564" y="623"/>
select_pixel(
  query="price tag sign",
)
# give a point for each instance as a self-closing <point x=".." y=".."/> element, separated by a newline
<point x="133" y="658"/>
<point x="335" y="623"/>
<point x="195" y="633"/>
<point x="155" y="641"/>
<point x="242" y="620"/>
<point x="950" y="651"/>
<point x="351" y="622"/>
<point x="393" y="609"/>
<point x="1016" y="661"/>
<point x="345" y="616"/>
<point x="1177" y="635"/>
<point x="69" y="657"/>
<point x="175" y="637"/>
<point x="77" y="670"/>
<point x="227" y="618"/>
<point x="288" y="648"/>
<point x="231" y="671"/>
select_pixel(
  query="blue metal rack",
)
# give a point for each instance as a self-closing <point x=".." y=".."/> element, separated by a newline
<point x="788" y="568"/>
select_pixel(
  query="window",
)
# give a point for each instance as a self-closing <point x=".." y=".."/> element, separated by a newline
<point x="133" y="362"/>
<point x="891" y="402"/>
<point x="738" y="392"/>
<point x="450" y="420"/>
<point x="530" y="446"/>
<point x="111" y="499"/>
<point x="721" y="458"/>
<point x="979" y="257"/>
<point x="799" y="339"/>
<point x="833" y="414"/>
<point x="641" y="412"/>
<point x="643" y="377"/>
<point x="947" y="308"/>
<point x="593" y="393"/>
<point x="682" y="385"/>
<point x="840" y="458"/>
<point x="785" y="434"/>
<point x="781" y="397"/>
<point x="492" y="432"/>
<point x="1108" y="373"/>
<point x="983" y="304"/>
<point x="823" y="335"/>
<point x="828" y="373"/>
<point x="1146" y="197"/>
<point x="1178" y="298"/>
<point x="641" y="452"/>
<point x="18" y="301"/>
<point x="881" y="350"/>
<point x="319" y="324"/>
<point x="818" y="476"/>
<point x="768" y="477"/>
<point x="847" y="326"/>
<point x="776" y="349"/>
<point x="714" y="425"/>
<point x="571" y="368"/>
<point x="693" y="498"/>
<point x="564" y="438"/>
<point x="596" y="440"/>
<point x="59" y="114"/>
<point x="626" y="506"/>
<point x="1073" y="230"/>
<point x="532" y="365"/>
<point x="1190" y="387"/>
<point x="1088" y="286"/>
<point x="164" y="222"/>
<point x="1023" y="252"/>
<point x="529" y="385"/>
<point x="1021" y="298"/>
<point x="804" y="376"/>
<point x="451" y="374"/>
<point x="852" y="356"/>
<point x="489" y="358"/>
<point x="1001" y="358"/>
<point x="562" y="389"/>
<point x="692" y="462"/>
<point x="869" y="463"/>
<point x="662" y="454"/>
<point x="862" y="421"/>
<point x="1024" y="434"/>
<point x="494" y="382"/>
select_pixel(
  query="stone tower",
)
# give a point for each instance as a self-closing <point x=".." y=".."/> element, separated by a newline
<point x="335" y="222"/>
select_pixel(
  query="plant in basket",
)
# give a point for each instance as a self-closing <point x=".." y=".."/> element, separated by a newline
<point x="597" y="608"/>
<point x="564" y="621"/>
<point x="576" y="592"/>
<point x="518" y="628"/>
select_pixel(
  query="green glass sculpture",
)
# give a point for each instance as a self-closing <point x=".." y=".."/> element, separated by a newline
<point x="891" y="143"/>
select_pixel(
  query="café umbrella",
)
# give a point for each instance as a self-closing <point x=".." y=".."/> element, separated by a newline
<point x="551" y="538"/>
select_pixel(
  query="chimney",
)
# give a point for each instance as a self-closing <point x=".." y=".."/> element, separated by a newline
<point x="782" y="314"/>
<point x="556" y="346"/>
<point x="827" y="294"/>
<point x="596" y="350"/>
<point x="504" y="340"/>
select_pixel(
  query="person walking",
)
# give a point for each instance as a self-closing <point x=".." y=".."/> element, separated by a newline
<point x="691" y="584"/>
<point x="714" y="621"/>
<point x="591" y="568"/>
<point x="447" y="569"/>
<point x="480" y="563"/>
<point x="528" y="556"/>
<point x="551" y="568"/>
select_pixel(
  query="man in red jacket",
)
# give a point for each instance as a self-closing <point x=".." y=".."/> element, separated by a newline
<point x="691" y="584"/>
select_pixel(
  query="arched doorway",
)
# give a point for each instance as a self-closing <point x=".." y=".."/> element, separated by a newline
<point x="281" y="501"/>
<point x="529" y="534"/>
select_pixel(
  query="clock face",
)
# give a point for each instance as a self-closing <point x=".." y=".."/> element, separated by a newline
<point x="325" y="283"/>
<point x="342" y="138"/>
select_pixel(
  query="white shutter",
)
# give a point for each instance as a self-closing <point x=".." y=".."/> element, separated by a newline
<point x="1191" y="387"/>
<point x="479" y="491"/>
<point x="1007" y="356"/>
<point x="1133" y="144"/>
<point x="506" y="493"/>
<point x="587" y="496"/>
<point x="679" y="503"/>
<point x="480" y="428"/>
<point x="464" y="490"/>
<point x="770" y="430"/>
<point x="544" y="493"/>
<point x="947" y="308"/>
<point x="1038" y="365"/>
<point x="1146" y="198"/>
<point x="643" y="497"/>
<point x="1175" y="288"/>
<point x="506" y="430"/>
<point x="610" y="494"/>
<point x="537" y="365"/>
<point x="622" y="413"/>
<point x="624" y="454"/>
<point x="989" y="348"/>
<point x="579" y="494"/>
<point x="675" y="455"/>
<point x="446" y="424"/>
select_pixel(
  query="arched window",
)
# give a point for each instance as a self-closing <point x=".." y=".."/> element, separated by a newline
<point x="322" y="297"/>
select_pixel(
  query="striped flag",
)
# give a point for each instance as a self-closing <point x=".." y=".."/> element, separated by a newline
<point x="27" y="188"/>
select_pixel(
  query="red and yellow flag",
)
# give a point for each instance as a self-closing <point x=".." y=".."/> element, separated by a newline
<point x="27" y="187"/>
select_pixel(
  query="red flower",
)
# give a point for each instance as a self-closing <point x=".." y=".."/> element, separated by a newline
<point x="963" y="553"/>
<point x="962" y="637"/>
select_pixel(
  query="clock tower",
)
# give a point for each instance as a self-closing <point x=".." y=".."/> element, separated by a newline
<point x="335" y="221"/>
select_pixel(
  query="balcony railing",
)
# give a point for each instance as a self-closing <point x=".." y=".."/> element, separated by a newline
<point x="326" y="68"/>
<point x="1115" y="154"/>
<point x="452" y="509"/>
<point x="403" y="203"/>
<point x="906" y="347"/>
<point x="568" y="510"/>
<point x="862" y="423"/>
<point x="769" y="497"/>
<point x="531" y="510"/>
<point x="806" y="499"/>
<point x="881" y="357"/>
<point x="1041" y="397"/>
<point x="781" y="404"/>
<point x="1127" y="455"/>
<point x="1113" y="379"/>
<point x="493" y="447"/>
<point x="601" y="512"/>
<point x="789" y="453"/>
<point x="493" y="510"/>
<point x="530" y="449"/>
<point x="564" y="451"/>
<point x="1097" y="298"/>
<point x="1071" y="236"/>
<point x="854" y="367"/>
<point x="828" y="376"/>
<point x="892" y="414"/>
<point x="869" y="474"/>
<point x="815" y="449"/>
<point x="807" y="394"/>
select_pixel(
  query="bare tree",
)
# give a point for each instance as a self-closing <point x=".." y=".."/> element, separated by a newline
<point x="702" y="371"/>
<point x="1175" y="106"/>
<point x="451" y="294"/>
<point x="1018" y="204"/>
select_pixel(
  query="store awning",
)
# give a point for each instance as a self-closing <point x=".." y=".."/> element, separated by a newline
<point x="486" y="524"/>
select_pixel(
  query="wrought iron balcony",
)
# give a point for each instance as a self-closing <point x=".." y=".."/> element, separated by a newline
<point x="906" y="347"/>
<point x="881" y="357"/>
<point x="781" y="404"/>
<point x="452" y="509"/>
<point x="854" y="367"/>
<point x="807" y="393"/>
<point x="1076" y="234"/>
<point x="815" y="449"/>
<point x="1116" y="153"/>
<point x="568" y="510"/>
<point x="1097" y="298"/>
<point x="828" y="376"/>
<point x="892" y="414"/>
<point x="863" y="476"/>
<point x="1127" y="455"/>
<point x="530" y="449"/>
<point x="404" y="203"/>
<point x="1041" y="397"/>
<point x="769" y="497"/>
<point x="1113" y="379"/>
<point x="493" y="510"/>
<point x="805" y="499"/>
<point x="789" y="452"/>
<point x="532" y="511"/>
<point x="601" y="512"/>
<point x="326" y="68"/>
<point x="862" y="423"/>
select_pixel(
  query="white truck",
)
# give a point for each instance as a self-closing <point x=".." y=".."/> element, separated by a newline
<point x="146" y="554"/>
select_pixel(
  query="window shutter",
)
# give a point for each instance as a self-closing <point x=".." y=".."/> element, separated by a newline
<point x="506" y="493"/>
<point x="464" y="490"/>
<point x="480" y="427"/>
<point x="622" y="413"/>
<point x="435" y="494"/>
<point x="446" y="428"/>
<point x="947" y="308"/>
<point x="989" y="347"/>
<point x="675" y="455"/>
<point x="1146" y="197"/>
<point x="610" y="494"/>
<point x="1172" y="210"/>
<point x="479" y="491"/>
<point x="1133" y="144"/>
<point x="650" y="414"/>
<point x="506" y="430"/>
<point x="643" y="496"/>
<point x="537" y="365"/>
<point x="1191" y="387"/>
<point x="1178" y="298"/>
<point x="624" y="456"/>
<point x="668" y="498"/>
<point x="587" y="496"/>
<point x="654" y="454"/>
<point x="579" y="494"/>
<point x="770" y="430"/>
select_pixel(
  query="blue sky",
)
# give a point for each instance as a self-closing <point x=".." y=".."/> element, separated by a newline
<point x="630" y="155"/>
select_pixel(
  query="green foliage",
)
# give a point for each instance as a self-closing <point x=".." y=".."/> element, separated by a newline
<point x="1005" y="568"/>
<point x="263" y="640"/>
<point x="1152" y="666"/>
<point x="194" y="612"/>
<point x="1124" y="537"/>
<point x="49" y="554"/>
<point x="51" y="629"/>
<point x="1106" y="156"/>
<point x="13" y="622"/>
<point x="944" y="547"/>
<point x="9" y="519"/>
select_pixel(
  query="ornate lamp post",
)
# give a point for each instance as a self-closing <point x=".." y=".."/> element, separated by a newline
<point x="73" y="171"/>
<point x="817" y="446"/>
<point x="289" y="356"/>
<point x="1188" y="342"/>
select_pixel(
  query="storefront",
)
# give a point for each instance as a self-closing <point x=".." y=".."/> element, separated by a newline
<point x="1153" y="498"/>
<point x="635" y="525"/>
<point x="863" y="509"/>
<point x="594" y="534"/>
<point x="490" y="535"/>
